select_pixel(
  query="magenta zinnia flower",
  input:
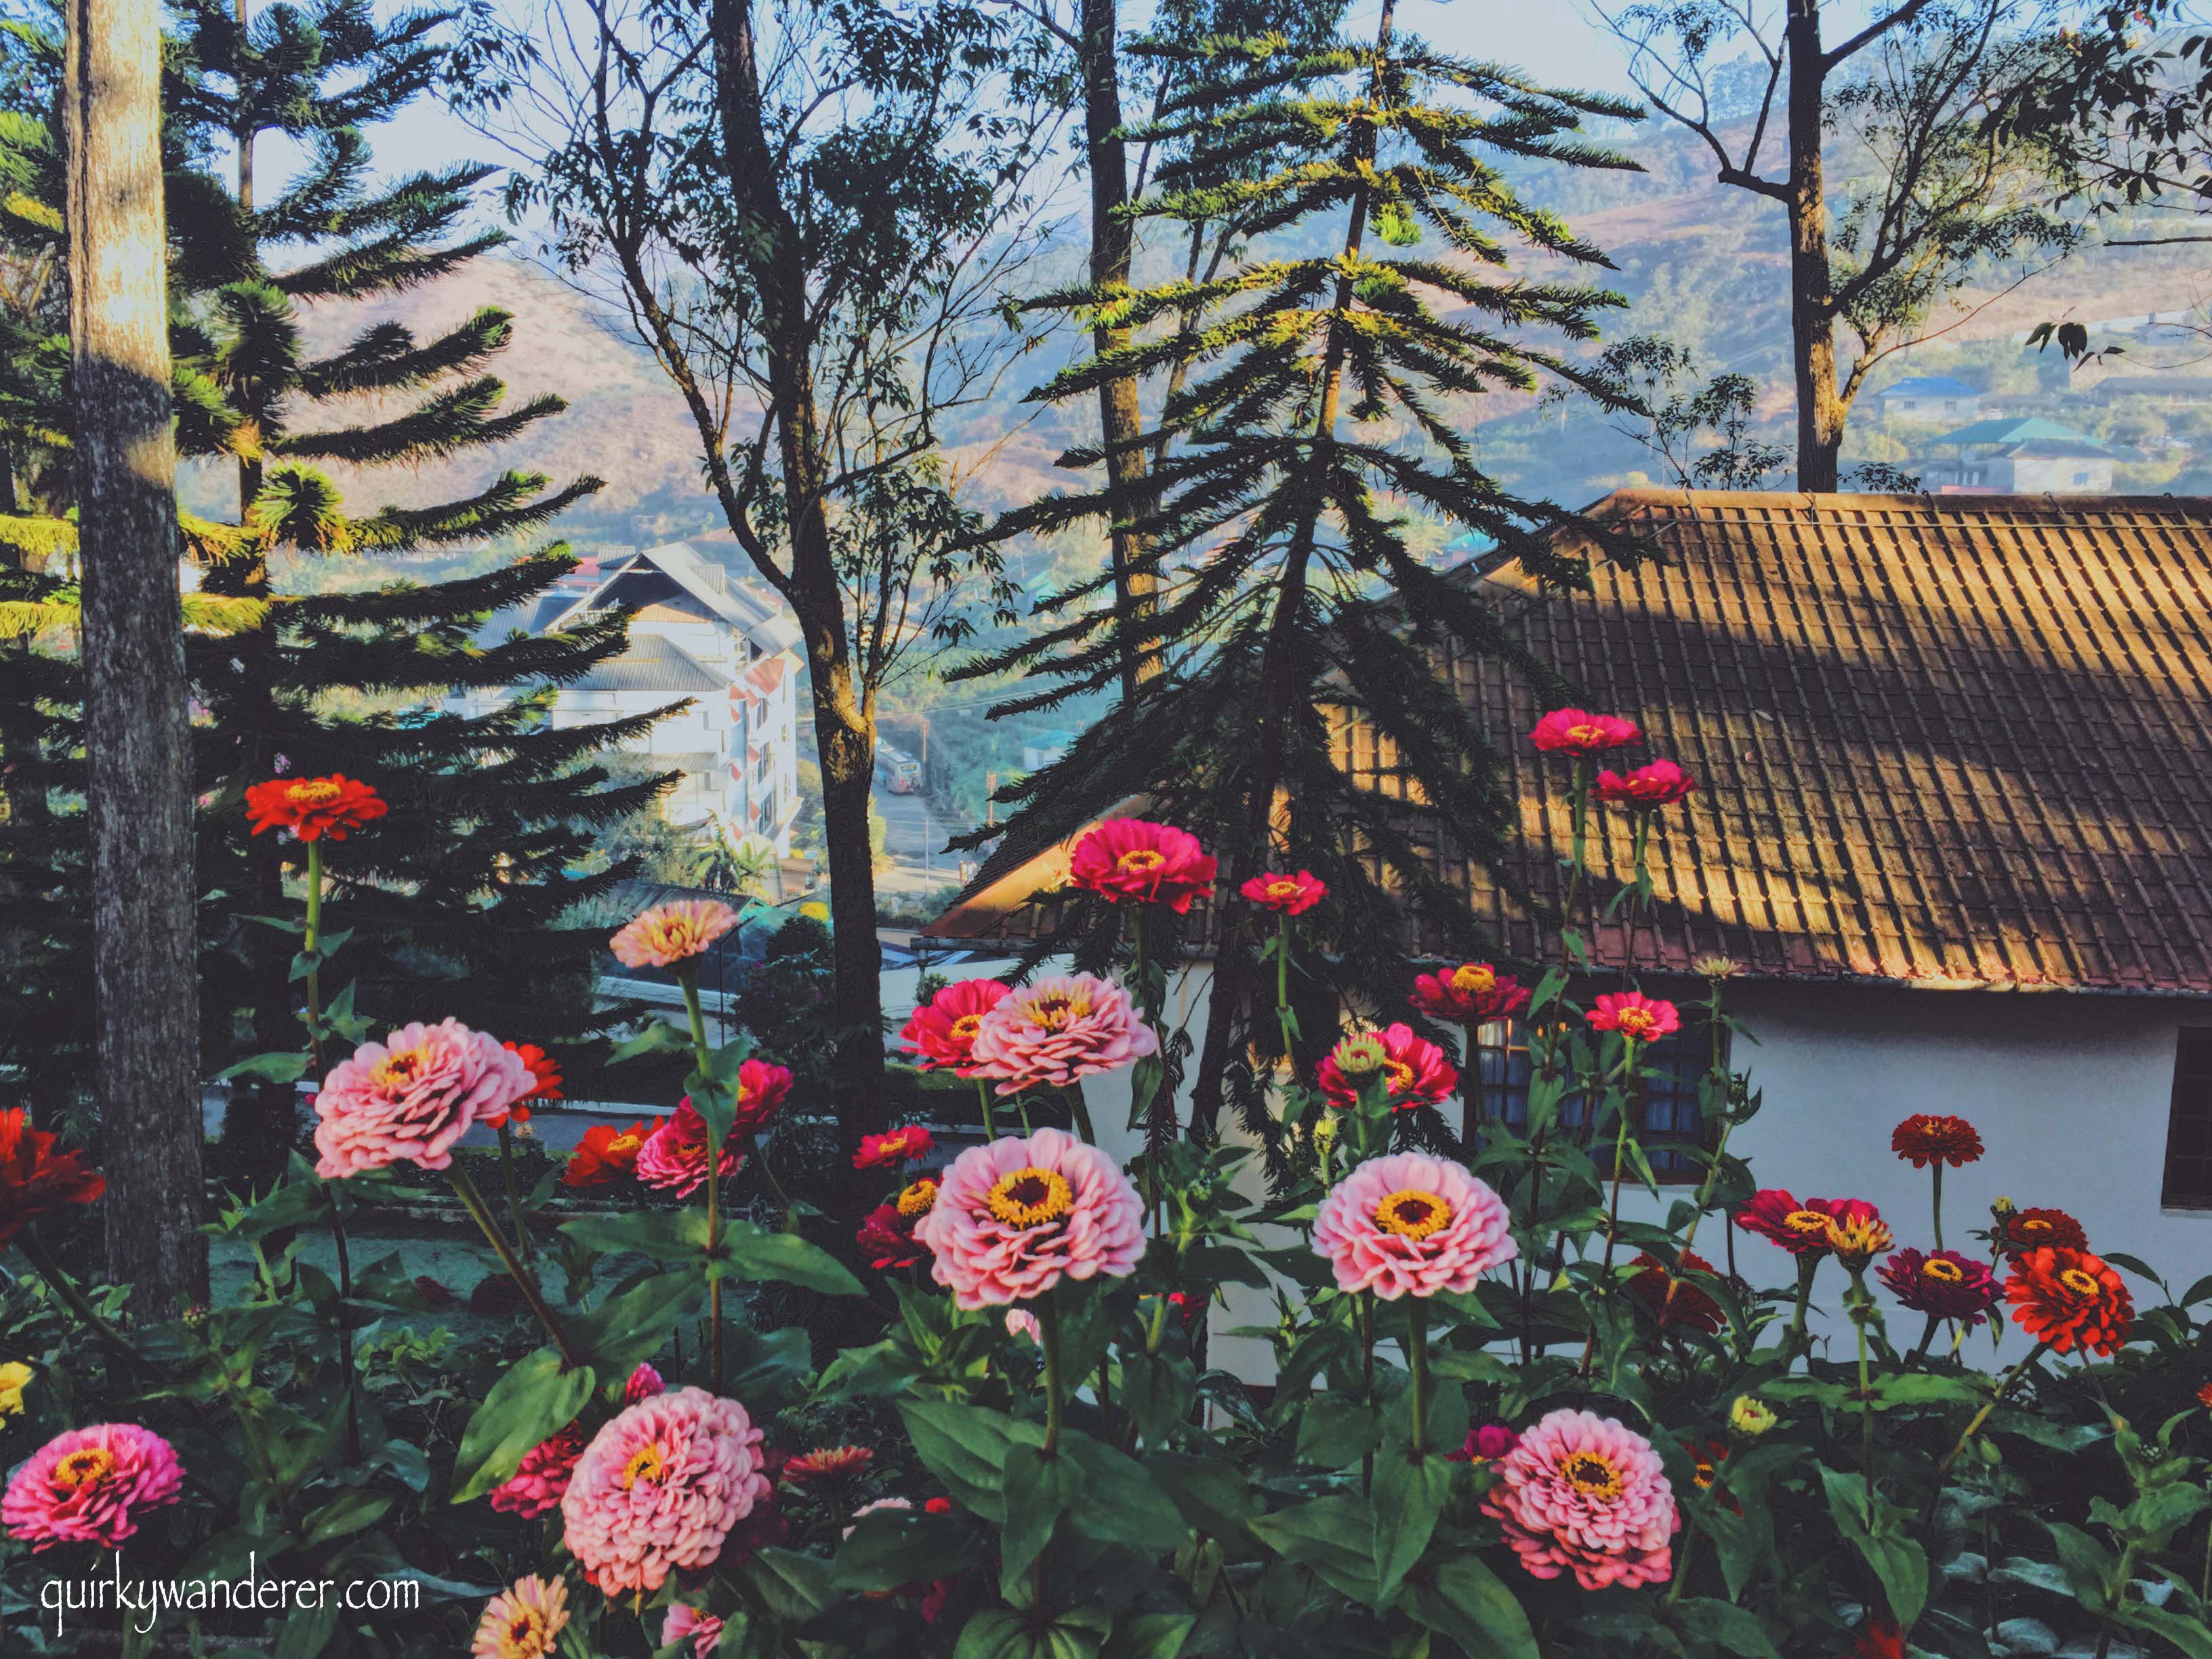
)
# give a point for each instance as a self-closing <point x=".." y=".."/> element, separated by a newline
<point x="1061" y="1029"/>
<point x="1637" y="1018"/>
<point x="536" y="1486"/>
<point x="1293" y="896"/>
<point x="1946" y="1283"/>
<point x="674" y="1156"/>
<point x="659" y="1487"/>
<point x="1660" y="784"/>
<point x="1585" y="1494"/>
<point x="762" y="1086"/>
<point x="644" y="1383"/>
<point x="670" y="933"/>
<point x="1469" y="994"/>
<point x="1411" y="1225"/>
<point x="1015" y="1217"/>
<point x="1578" y="732"/>
<point x="1415" y="1070"/>
<point x="86" y="1486"/>
<point x="412" y="1096"/>
<point x="942" y="1033"/>
<point x="1135" y="859"/>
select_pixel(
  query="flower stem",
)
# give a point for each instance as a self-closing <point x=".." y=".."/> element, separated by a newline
<point x="1282" y="982"/>
<point x="1365" y="1315"/>
<point x="65" y="1289"/>
<point x="1048" y="1318"/>
<point x="525" y="1281"/>
<point x="1682" y="1561"/>
<point x="2003" y="1387"/>
<point x="1861" y="1311"/>
<point x="1080" y="1110"/>
<point x="984" y="1097"/>
<point x="522" y="1244"/>
<point x="1417" y="1366"/>
<point x="1808" y="1265"/>
<point x="1938" y="1168"/>
<point x="688" y="977"/>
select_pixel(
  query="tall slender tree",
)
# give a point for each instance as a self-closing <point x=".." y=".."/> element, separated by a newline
<point x="137" y="738"/>
<point x="1320" y="405"/>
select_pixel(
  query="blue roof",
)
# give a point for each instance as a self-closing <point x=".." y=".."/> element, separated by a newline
<point x="1929" y="385"/>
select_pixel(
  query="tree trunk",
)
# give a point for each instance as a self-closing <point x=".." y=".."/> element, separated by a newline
<point x="844" y="715"/>
<point x="1812" y="302"/>
<point x="137" y="738"/>
<point x="1122" y="427"/>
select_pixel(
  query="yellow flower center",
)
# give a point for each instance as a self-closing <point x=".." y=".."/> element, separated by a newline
<point x="315" y="791"/>
<point x="2035" y="1225"/>
<point x="965" y="1027"/>
<point x="86" y="1467"/>
<point x="1586" y="733"/>
<point x="1412" y="1213"/>
<point x="1591" y="1475"/>
<point x="1946" y="1272"/>
<point x="1030" y="1198"/>
<point x="2081" y="1284"/>
<point x="677" y="934"/>
<point x="1856" y="1238"/>
<point x="1283" y="887"/>
<point x="625" y="1143"/>
<point x="401" y="1068"/>
<point x="1474" y="979"/>
<point x="527" y="1634"/>
<point x="1703" y="1474"/>
<point x="1638" y="1023"/>
<point x="1139" y="859"/>
<point x="1056" y="1011"/>
<point x="645" y="1463"/>
<point x="918" y="1199"/>
<point x="1811" y="1222"/>
<point x="1399" y="1075"/>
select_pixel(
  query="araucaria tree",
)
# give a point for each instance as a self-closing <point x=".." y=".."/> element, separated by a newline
<point x="1882" y="152"/>
<point x="1320" y="404"/>
<point x="807" y="213"/>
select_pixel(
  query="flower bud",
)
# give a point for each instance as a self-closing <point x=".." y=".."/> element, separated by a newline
<point x="1751" y="1417"/>
<point x="1361" y="1054"/>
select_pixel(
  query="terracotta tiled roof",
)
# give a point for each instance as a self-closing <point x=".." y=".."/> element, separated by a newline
<point x="1946" y="741"/>
<point x="1960" y="741"/>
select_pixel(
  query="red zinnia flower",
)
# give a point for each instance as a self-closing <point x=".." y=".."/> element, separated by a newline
<point x="2022" y="1231"/>
<point x="1469" y="994"/>
<point x="1799" y="1229"/>
<point x="886" y="1238"/>
<point x="35" y="1179"/>
<point x="2204" y="1396"/>
<point x="1291" y="894"/>
<point x="1578" y="732"/>
<point x="1691" y="1308"/>
<point x="761" y="1087"/>
<point x="1878" y="1639"/>
<point x="1134" y="858"/>
<point x="1637" y="1018"/>
<point x="313" y="808"/>
<point x="1922" y="1139"/>
<point x="1662" y="783"/>
<point x="1415" y="1072"/>
<point x="942" y="1034"/>
<point x="827" y="1463"/>
<point x="2070" y="1299"/>
<point x="543" y="1069"/>
<point x="1947" y="1284"/>
<point x="908" y="1144"/>
<point x="606" y="1153"/>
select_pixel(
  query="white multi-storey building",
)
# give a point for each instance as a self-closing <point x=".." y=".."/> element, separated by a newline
<point x="693" y="633"/>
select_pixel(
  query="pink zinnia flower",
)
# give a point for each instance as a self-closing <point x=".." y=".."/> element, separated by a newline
<point x="1020" y="1321"/>
<point x="1061" y="1029"/>
<point x="1134" y="858"/>
<point x="536" y="1486"/>
<point x="644" y="1383"/>
<point x="1774" y="1215"/>
<point x="908" y="1144"/>
<point x="674" y="1156"/>
<point x="762" y="1088"/>
<point x="1411" y="1225"/>
<point x="1660" y="784"/>
<point x="1578" y="732"/>
<point x="1291" y="894"/>
<point x="1637" y="1018"/>
<point x="942" y="1033"/>
<point x="659" y="1487"/>
<point x="670" y="933"/>
<point x="687" y="1624"/>
<point x="1585" y="1494"/>
<point x="1016" y="1216"/>
<point x="1415" y="1070"/>
<point x="1945" y="1284"/>
<point x="522" y="1621"/>
<point x="85" y="1486"/>
<point x="1469" y="994"/>
<point x="412" y="1096"/>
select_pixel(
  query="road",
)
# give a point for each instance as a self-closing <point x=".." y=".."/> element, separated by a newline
<point x="915" y="834"/>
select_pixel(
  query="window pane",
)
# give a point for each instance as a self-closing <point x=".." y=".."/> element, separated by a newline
<point x="2188" y="1130"/>
<point x="1670" y="1119"/>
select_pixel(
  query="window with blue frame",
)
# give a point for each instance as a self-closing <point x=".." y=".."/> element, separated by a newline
<point x="1669" y="1119"/>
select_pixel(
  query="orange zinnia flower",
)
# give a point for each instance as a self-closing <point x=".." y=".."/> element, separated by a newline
<point x="34" y="1178"/>
<point x="544" y="1070"/>
<point x="606" y="1153"/>
<point x="313" y="808"/>
<point x="1922" y="1139"/>
<point x="2204" y="1396"/>
<point x="827" y="1463"/>
<point x="2070" y="1299"/>
<point x="669" y="934"/>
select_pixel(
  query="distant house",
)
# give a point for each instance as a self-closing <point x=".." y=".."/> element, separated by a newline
<point x="693" y="633"/>
<point x="1928" y="398"/>
<point x="1953" y="823"/>
<point x="1041" y="749"/>
<point x="2020" y="457"/>
<point x="2167" y="389"/>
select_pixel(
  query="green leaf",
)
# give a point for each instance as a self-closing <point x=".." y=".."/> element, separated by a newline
<point x="1333" y="1538"/>
<point x="1002" y="1633"/>
<point x="1123" y="1505"/>
<point x="664" y="1235"/>
<point x="1156" y="1390"/>
<point x="1151" y="1636"/>
<point x="345" y="1514"/>
<point x="966" y="1447"/>
<point x="1040" y="1487"/>
<point x="2193" y="1635"/>
<point x="762" y="1365"/>
<point x="1928" y="1388"/>
<point x="751" y="1253"/>
<point x="1410" y="1492"/>
<point x="1724" y="1624"/>
<point x="793" y="1586"/>
<point x="1898" y="1562"/>
<point x="1335" y="1431"/>
<point x="628" y="1328"/>
<point x="269" y="1069"/>
<point x="2090" y="1567"/>
<point x="1470" y="1604"/>
<point x="892" y="1547"/>
<point x="533" y="1402"/>
<point x="658" y="1037"/>
<point x="307" y="1634"/>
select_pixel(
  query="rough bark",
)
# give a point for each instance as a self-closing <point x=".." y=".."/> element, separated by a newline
<point x="1812" y="302"/>
<point x="1122" y="427"/>
<point x="137" y="738"/>
<point x="844" y="719"/>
